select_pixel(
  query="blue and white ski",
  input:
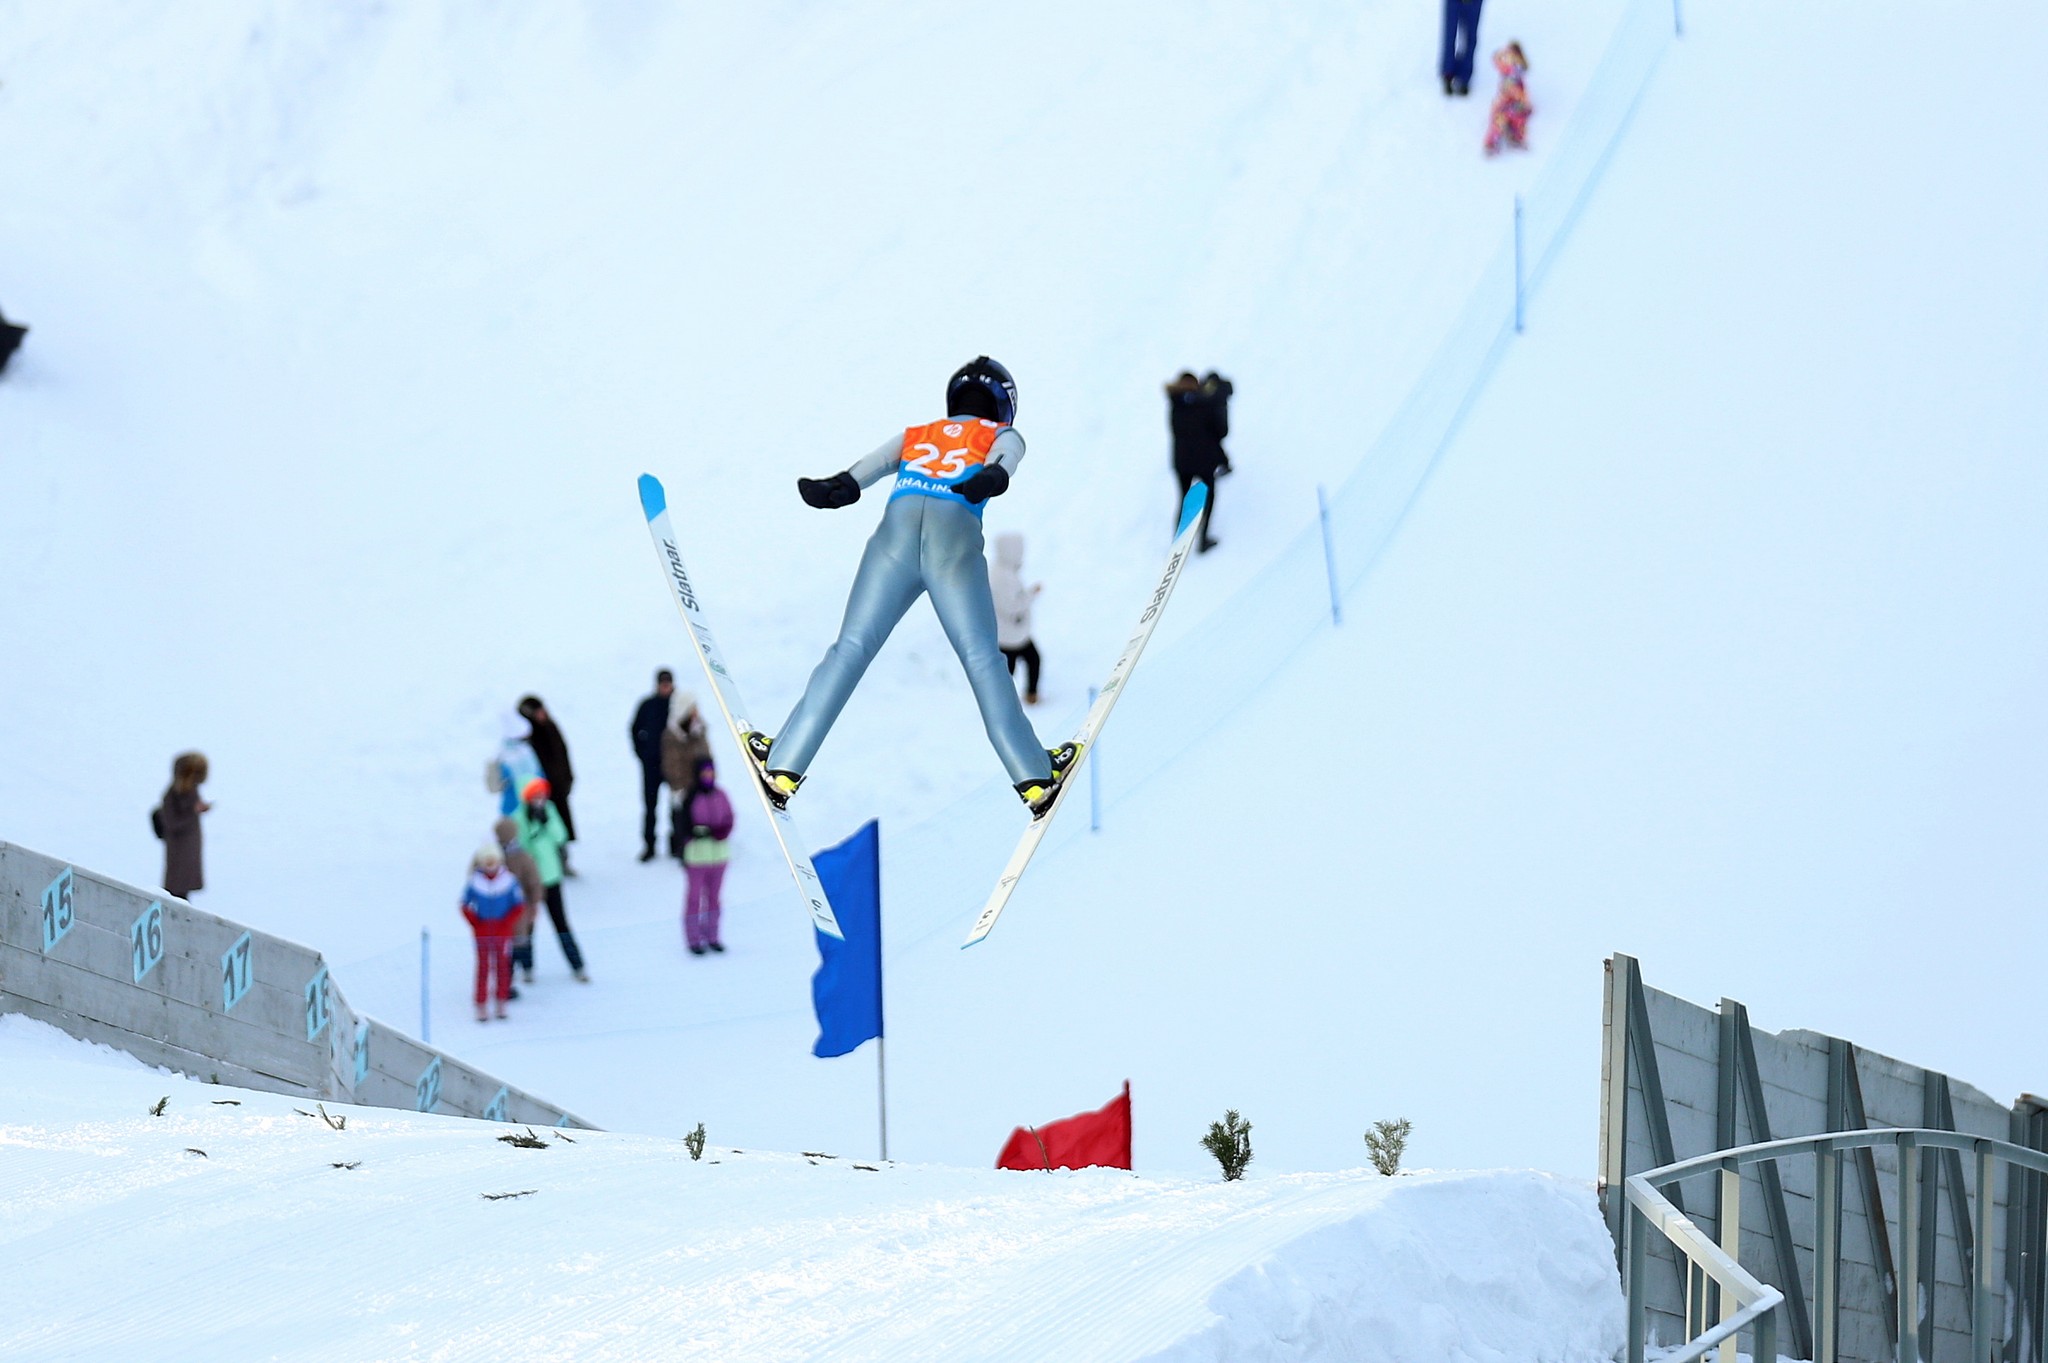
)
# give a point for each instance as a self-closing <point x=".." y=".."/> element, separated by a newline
<point x="1098" y="713"/>
<point x="654" y="501"/>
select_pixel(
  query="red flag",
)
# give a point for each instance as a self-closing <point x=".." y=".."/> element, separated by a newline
<point x="1093" y="1138"/>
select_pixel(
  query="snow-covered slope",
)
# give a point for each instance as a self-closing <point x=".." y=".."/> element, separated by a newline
<point x="235" y="1225"/>
<point x="352" y="331"/>
<point x="1723" y="612"/>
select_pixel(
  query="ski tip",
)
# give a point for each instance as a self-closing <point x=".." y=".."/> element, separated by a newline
<point x="652" y="499"/>
<point x="1190" y="507"/>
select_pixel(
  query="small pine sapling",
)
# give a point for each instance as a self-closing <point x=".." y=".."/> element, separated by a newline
<point x="1385" y="1142"/>
<point x="1230" y="1141"/>
<point x="695" y="1142"/>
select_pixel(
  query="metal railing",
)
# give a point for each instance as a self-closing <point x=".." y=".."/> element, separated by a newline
<point x="1717" y="1284"/>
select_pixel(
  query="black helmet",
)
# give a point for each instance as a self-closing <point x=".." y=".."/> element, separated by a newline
<point x="982" y="388"/>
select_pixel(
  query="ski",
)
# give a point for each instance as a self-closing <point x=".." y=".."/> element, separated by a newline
<point x="1098" y="713"/>
<point x="654" y="501"/>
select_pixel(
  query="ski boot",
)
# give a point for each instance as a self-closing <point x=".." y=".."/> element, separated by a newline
<point x="779" y="785"/>
<point x="1038" y="796"/>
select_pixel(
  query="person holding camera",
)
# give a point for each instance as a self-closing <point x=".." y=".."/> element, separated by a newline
<point x="1198" y="413"/>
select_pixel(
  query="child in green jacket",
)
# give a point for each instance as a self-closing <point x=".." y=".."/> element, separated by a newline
<point x="542" y="831"/>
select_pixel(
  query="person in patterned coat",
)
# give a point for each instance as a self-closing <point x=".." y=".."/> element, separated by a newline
<point x="1509" y="123"/>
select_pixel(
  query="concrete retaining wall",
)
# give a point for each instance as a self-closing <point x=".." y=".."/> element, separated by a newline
<point x="179" y="987"/>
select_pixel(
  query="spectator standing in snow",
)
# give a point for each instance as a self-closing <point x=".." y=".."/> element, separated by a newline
<point x="707" y="819"/>
<point x="1217" y="392"/>
<point x="648" y="722"/>
<point x="1509" y="123"/>
<point x="684" y="743"/>
<point x="552" y="751"/>
<point x="11" y="336"/>
<point x="540" y="829"/>
<point x="492" y="901"/>
<point x="1199" y="415"/>
<point x="520" y="863"/>
<point x="1461" y="45"/>
<point x="177" y="823"/>
<point x="507" y="774"/>
<point x="1013" y="610"/>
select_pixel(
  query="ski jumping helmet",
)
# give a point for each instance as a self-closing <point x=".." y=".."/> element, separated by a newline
<point x="982" y="388"/>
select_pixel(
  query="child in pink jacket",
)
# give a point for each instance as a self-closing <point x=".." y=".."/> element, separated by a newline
<point x="1510" y="121"/>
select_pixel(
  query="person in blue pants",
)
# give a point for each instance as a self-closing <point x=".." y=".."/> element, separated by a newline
<point x="1461" y="41"/>
<point x="929" y="541"/>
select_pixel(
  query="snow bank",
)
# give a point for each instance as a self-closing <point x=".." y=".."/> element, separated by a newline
<point x="1445" y="1267"/>
<point x="238" y="1225"/>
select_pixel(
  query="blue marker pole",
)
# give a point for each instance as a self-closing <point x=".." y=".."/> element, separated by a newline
<point x="1518" y="265"/>
<point x="426" y="1028"/>
<point x="1329" y="553"/>
<point x="1094" y="782"/>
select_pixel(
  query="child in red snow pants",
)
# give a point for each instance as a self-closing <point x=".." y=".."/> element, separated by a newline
<point x="493" y="959"/>
<point x="491" y="903"/>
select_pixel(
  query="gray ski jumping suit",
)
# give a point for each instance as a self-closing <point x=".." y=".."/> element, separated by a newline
<point x="929" y="540"/>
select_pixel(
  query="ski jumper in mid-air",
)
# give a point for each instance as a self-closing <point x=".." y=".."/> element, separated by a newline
<point x="929" y="541"/>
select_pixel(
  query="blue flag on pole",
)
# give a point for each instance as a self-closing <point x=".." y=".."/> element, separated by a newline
<point x="847" y="990"/>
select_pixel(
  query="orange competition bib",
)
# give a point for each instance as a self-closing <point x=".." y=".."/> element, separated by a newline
<point x="943" y="454"/>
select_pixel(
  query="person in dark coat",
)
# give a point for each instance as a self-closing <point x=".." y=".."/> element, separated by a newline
<point x="648" y="722"/>
<point x="1198" y="412"/>
<point x="178" y="822"/>
<point x="10" y="340"/>
<point x="1461" y="42"/>
<point x="552" y="750"/>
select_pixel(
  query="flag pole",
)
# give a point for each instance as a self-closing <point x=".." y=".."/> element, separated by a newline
<point x="881" y="1044"/>
<point x="882" y="1094"/>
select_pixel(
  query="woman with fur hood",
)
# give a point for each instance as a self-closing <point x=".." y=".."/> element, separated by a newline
<point x="685" y="743"/>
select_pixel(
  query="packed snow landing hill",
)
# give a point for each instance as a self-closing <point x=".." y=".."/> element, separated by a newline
<point x="243" y="1225"/>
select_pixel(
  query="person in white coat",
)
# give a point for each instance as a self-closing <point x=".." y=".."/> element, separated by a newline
<point x="507" y="774"/>
<point x="1013" y="610"/>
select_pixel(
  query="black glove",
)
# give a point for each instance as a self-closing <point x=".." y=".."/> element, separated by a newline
<point x="825" y="493"/>
<point x="990" y="480"/>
